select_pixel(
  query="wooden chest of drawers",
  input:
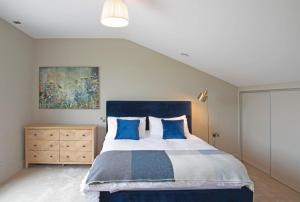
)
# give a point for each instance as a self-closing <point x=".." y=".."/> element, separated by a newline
<point x="59" y="144"/>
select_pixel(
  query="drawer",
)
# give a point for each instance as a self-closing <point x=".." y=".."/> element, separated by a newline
<point x="75" y="135"/>
<point x="43" y="134"/>
<point x="43" y="145"/>
<point x="76" y="145"/>
<point x="76" y="157"/>
<point x="43" y="156"/>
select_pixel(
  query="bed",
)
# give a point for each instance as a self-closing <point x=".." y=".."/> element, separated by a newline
<point x="154" y="150"/>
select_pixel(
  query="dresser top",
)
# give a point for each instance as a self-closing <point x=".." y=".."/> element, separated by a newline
<point x="73" y="126"/>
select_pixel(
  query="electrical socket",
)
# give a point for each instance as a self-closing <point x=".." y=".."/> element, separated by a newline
<point x="103" y="119"/>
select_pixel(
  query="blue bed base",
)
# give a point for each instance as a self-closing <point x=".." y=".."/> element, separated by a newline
<point x="215" y="195"/>
<point x="167" y="109"/>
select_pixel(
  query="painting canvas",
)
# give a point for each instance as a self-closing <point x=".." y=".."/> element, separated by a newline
<point x="69" y="88"/>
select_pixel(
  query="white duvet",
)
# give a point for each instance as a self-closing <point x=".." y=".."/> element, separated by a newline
<point x="153" y="143"/>
<point x="148" y="142"/>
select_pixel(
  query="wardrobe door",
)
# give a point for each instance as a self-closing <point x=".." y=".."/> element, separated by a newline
<point x="255" y="129"/>
<point x="285" y="141"/>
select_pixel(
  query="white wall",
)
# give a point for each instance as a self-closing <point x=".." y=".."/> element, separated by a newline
<point x="266" y="87"/>
<point x="132" y="72"/>
<point x="255" y="129"/>
<point x="15" y="96"/>
<point x="269" y="130"/>
<point x="277" y="86"/>
<point x="285" y="138"/>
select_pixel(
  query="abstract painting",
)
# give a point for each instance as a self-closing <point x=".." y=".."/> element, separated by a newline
<point x="69" y="88"/>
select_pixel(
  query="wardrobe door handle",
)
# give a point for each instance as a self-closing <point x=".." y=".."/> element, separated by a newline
<point x="68" y="146"/>
<point x="83" y="157"/>
<point x="68" y="156"/>
<point x="83" y="146"/>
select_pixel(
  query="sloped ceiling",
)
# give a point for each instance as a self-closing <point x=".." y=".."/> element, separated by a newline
<point x="244" y="42"/>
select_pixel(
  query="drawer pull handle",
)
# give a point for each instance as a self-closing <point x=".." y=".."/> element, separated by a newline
<point x="35" y="134"/>
<point x="34" y="156"/>
<point x="67" y="135"/>
<point x="34" y="145"/>
<point x="51" y="145"/>
<point x="83" y="145"/>
<point x="83" y="157"/>
<point x="51" y="135"/>
<point x="51" y="156"/>
<point x="68" y="156"/>
<point x="68" y="146"/>
<point x="83" y="135"/>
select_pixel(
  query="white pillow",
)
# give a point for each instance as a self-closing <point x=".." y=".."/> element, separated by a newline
<point x="112" y="125"/>
<point x="156" y="127"/>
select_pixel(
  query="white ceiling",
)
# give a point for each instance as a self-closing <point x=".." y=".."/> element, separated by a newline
<point x="244" y="42"/>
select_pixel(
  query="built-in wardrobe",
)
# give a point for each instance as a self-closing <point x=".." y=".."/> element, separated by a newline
<point x="270" y="133"/>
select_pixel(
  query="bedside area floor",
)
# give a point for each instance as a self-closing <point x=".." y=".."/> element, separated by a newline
<point x="42" y="183"/>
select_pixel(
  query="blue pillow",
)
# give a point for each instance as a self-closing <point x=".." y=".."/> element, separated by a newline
<point x="173" y="129"/>
<point x="127" y="129"/>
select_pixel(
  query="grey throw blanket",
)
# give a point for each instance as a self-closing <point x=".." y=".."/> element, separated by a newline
<point x="167" y="166"/>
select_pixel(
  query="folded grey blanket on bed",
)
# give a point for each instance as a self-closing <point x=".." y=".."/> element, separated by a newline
<point x="171" y="165"/>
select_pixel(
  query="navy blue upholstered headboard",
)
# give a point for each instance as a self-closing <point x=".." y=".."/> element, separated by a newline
<point x="162" y="109"/>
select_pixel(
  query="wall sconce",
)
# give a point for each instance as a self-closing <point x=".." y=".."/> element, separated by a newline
<point x="203" y="96"/>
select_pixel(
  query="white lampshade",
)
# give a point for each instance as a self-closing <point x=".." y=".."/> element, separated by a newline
<point x="115" y="13"/>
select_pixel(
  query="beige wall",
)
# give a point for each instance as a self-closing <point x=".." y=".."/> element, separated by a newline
<point x="128" y="72"/>
<point x="15" y="96"/>
<point x="132" y="72"/>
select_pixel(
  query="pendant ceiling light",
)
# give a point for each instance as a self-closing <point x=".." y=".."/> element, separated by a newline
<point x="114" y="13"/>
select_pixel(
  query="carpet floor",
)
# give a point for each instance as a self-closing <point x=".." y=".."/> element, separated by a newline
<point x="61" y="184"/>
<point x="41" y="183"/>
